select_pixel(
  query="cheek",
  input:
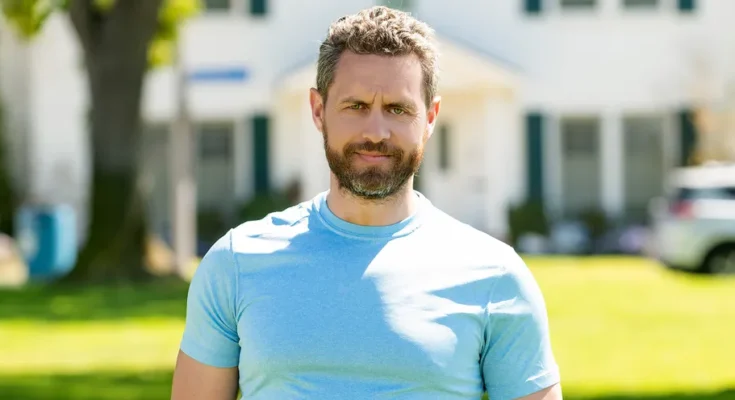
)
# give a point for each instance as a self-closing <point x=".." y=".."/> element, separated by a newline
<point x="415" y="134"/>
<point x="343" y="129"/>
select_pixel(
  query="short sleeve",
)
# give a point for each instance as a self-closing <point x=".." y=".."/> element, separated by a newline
<point x="517" y="359"/>
<point x="210" y="334"/>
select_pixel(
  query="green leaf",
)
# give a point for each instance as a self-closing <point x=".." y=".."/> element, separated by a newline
<point x="28" y="16"/>
<point x="172" y="15"/>
<point x="104" y="5"/>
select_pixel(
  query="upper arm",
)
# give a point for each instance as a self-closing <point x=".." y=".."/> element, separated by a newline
<point x="194" y="380"/>
<point x="517" y="360"/>
<point x="210" y="341"/>
<point x="550" y="393"/>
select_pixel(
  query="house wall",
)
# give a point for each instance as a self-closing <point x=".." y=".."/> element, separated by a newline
<point x="45" y="94"/>
<point x="606" y="63"/>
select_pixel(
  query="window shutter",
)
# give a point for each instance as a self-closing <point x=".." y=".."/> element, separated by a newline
<point x="258" y="7"/>
<point x="261" y="153"/>
<point x="533" y="7"/>
<point x="687" y="6"/>
<point x="535" y="156"/>
<point x="687" y="136"/>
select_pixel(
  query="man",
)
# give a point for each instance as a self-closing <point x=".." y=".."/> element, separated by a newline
<point x="367" y="291"/>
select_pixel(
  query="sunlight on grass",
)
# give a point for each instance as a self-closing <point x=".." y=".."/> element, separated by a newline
<point x="84" y="347"/>
<point x="627" y="325"/>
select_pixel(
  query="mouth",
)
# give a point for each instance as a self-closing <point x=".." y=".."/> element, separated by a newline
<point x="372" y="157"/>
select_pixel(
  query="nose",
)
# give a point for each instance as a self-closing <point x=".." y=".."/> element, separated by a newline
<point x="376" y="127"/>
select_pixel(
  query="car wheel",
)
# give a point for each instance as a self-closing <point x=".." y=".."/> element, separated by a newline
<point x="721" y="261"/>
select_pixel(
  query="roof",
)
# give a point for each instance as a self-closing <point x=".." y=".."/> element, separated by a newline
<point x="460" y="66"/>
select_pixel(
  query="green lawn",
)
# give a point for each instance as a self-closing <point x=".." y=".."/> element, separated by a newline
<point x="622" y="329"/>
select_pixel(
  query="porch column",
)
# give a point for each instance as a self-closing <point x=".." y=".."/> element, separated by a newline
<point x="611" y="173"/>
<point x="502" y="160"/>
<point x="242" y="161"/>
<point x="314" y="169"/>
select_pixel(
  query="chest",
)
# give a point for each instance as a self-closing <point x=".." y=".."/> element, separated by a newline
<point x="357" y="316"/>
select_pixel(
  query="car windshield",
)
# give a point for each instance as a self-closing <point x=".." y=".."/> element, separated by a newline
<point x="711" y="193"/>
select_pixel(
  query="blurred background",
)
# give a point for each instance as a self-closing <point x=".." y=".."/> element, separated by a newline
<point x="596" y="136"/>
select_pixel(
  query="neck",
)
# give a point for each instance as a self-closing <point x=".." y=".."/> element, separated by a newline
<point x="388" y="211"/>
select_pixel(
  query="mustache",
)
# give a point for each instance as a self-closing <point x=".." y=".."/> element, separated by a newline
<point x="381" y="147"/>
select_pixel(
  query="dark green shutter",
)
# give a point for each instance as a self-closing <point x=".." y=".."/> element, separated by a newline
<point x="417" y="180"/>
<point x="535" y="157"/>
<point x="258" y="7"/>
<point x="532" y="7"/>
<point x="444" y="147"/>
<point x="687" y="136"/>
<point x="261" y="153"/>
<point x="687" y="6"/>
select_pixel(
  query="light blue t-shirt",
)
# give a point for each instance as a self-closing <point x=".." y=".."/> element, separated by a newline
<point x="309" y="306"/>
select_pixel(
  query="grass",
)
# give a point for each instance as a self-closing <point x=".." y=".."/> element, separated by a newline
<point x="622" y="329"/>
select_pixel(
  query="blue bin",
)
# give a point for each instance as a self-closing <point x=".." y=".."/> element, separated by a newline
<point x="47" y="237"/>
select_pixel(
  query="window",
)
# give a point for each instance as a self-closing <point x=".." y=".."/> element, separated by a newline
<point x="215" y="141"/>
<point x="404" y="5"/>
<point x="581" y="165"/>
<point x="641" y="4"/>
<point x="706" y="193"/>
<point x="258" y="8"/>
<point x="580" y="136"/>
<point x="578" y="4"/>
<point x="215" y="167"/>
<point x="643" y="163"/>
<point x="217" y="5"/>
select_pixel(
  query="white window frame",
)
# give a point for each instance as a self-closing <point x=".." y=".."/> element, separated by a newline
<point x="572" y="8"/>
<point x="641" y="8"/>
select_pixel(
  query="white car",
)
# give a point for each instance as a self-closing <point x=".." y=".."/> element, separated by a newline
<point x="693" y="225"/>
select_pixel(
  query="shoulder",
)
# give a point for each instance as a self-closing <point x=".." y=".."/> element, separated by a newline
<point x="469" y="242"/>
<point x="277" y="226"/>
<point x="472" y="248"/>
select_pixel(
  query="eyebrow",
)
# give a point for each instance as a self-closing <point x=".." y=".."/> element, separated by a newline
<point x="407" y="105"/>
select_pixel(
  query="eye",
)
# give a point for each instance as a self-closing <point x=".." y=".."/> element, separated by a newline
<point x="397" y="111"/>
<point x="356" y="106"/>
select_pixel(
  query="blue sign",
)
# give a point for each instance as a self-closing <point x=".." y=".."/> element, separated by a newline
<point x="233" y="74"/>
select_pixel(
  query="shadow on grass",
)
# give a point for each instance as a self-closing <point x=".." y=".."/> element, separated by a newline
<point x="163" y="298"/>
<point x="156" y="385"/>
<point x="147" y="385"/>
<point x="723" y="395"/>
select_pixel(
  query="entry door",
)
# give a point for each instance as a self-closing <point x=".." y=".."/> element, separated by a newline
<point x="215" y="168"/>
<point x="580" y="143"/>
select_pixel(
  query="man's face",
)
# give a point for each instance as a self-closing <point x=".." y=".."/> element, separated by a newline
<point x="375" y="123"/>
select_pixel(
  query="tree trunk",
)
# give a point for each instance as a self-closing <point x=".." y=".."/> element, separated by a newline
<point x="7" y="196"/>
<point x="115" y="46"/>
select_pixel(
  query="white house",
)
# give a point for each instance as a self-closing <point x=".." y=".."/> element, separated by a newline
<point x="580" y="103"/>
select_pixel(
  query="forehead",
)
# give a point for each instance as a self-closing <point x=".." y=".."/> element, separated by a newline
<point x="369" y="74"/>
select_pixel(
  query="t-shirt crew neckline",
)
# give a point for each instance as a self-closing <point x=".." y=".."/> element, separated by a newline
<point x="344" y="228"/>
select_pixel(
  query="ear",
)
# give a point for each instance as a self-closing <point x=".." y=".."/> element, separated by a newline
<point x="431" y="115"/>
<point x="317" y="109"/>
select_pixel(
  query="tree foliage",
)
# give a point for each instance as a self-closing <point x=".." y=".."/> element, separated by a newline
<point x="28" y="17"/>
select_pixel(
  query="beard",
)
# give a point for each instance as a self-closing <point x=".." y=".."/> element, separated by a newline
<point x="374" y="182"/>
